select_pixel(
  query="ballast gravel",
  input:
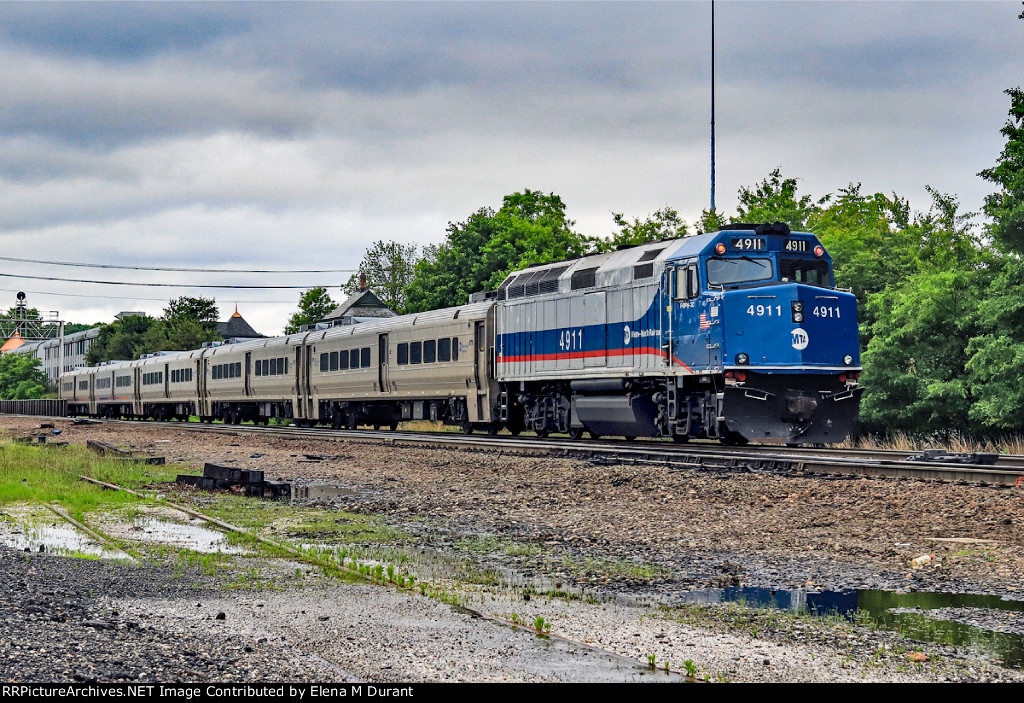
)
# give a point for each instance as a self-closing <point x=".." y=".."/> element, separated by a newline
<point x="664" y="533"/>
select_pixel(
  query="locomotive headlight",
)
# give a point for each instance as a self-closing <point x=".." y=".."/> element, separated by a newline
<point x="819" y="250"/>
<point x="798" y="310"/>
<point x="848" y="359"/>
<point x="742" y="359"/>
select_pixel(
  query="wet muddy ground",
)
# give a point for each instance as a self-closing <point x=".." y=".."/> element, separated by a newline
<point x="602" y="537"/>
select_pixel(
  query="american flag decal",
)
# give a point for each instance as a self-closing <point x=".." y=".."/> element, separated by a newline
<point x="704" y="324"/>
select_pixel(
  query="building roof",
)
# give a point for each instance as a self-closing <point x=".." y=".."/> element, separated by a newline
<point x="12" y="343"/>
<point x="236" y="327"/>
<point x="361" y="304"/>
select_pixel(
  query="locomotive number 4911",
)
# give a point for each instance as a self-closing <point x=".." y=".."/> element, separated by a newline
<point x="765" y="311"/>
<point x="570" y="339"/>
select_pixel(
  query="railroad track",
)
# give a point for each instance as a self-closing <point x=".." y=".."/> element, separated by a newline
<point x="1008" y="470"/>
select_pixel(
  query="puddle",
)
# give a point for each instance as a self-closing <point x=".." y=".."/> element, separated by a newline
<point x="32" y="527"/>
<point x="175" y="534"/>
<point x="906" y="613"/>
<point x="319" y="492"/>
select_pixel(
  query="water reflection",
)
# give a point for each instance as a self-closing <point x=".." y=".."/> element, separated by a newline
<point x="888" y="609"/>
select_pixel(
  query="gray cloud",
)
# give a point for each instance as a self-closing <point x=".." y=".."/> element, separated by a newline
<point x="274" y="134"/>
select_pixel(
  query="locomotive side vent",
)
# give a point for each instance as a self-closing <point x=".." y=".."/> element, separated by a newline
<point x="643" y="271"/>
<point x="651" y="255"/>
<point x="584" y="278"/>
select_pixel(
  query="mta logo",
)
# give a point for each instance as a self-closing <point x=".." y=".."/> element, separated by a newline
<point x="800" y="340"/>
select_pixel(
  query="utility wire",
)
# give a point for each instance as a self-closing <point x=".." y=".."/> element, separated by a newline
<point x="112" y="297"/>
<point x="163" y="268"/>
<point x="162" y="285"/>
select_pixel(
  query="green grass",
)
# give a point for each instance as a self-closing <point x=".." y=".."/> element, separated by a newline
<point x="34" y="474"/>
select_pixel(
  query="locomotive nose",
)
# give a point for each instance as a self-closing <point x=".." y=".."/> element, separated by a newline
<point x="800" y="408"/>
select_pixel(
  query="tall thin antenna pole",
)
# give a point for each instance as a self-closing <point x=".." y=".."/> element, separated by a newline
<point x="712" y="107"/>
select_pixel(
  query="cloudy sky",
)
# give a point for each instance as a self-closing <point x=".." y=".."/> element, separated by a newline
<point x="292" y="135"/>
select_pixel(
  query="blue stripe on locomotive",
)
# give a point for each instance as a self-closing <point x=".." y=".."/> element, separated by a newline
<point x="582" y="341"/>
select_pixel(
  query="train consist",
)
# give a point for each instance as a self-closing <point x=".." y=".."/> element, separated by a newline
<point x="737" y="335"/>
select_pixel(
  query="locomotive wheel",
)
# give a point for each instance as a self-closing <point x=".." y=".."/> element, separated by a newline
<point x="467" y="427"/>
<point x="336" y="420"/>
<point x="629" y="438"/>
<point x="680" y="438"/>
<point x="393" y="426"/>
<point x="265" y="421"/>
<point x="493" y="428"/>
<point x="351" y="422"/>
<point x="575" y="433"/>
<point x="595" y="435"/>
<point x="542" y="433"/>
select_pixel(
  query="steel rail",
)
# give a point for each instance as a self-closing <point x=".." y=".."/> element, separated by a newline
<point x="700" y="455"/>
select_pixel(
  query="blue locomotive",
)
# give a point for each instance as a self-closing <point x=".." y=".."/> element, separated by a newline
<point x="737" y="335"/>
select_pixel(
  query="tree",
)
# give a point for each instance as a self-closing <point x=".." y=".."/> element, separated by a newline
<point x="119" y="340"/>
<point x="663" y="224"/>
<point x="915" y="373"/>
<point x="775" y="199"/>
<point x="870" y="249"/>
<point x="711" y="222"/>
<point x="203" y="310"/>
<point x="478" y="254"/>
<point x="314" y="305"/>
<point x="389" y="268"/>
<point x="996" y="354"/>
<point x="1006" y="206"/>
<point x="21" y="377"/>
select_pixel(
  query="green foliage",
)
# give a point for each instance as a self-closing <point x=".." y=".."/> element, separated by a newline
<point x="119" y="340"/>
<point x="1006" y="206"/>
<point x="479" y="253"/>
<point x="176" y="334"/>
<point x="314" y="305"/>
<point x="663" y="224"/>
<point x="996" y="354"/>
<point x="915" y="364"/>
<point x="28" y="314"/>
<point x="711" y="222"/>
<point x="775" y="199"/>
<point x="21" y="377"/>
<point x="864" y="235"/>
<point x="389" y="268"/>
<point x="187" y="323"/>
<point x="202" y="310"/>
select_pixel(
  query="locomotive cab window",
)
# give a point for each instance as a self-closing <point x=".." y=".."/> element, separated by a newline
<point x="687" y="283"/>
<point x="739" y="269"/>
<point x="809" y="271"/>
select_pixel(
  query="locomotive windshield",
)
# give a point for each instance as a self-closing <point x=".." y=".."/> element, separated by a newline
<point x="811" y="272"/>
<point x="743" y="269"/>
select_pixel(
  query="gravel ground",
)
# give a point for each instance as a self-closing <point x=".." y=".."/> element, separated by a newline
<point x="614" y="529"/>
